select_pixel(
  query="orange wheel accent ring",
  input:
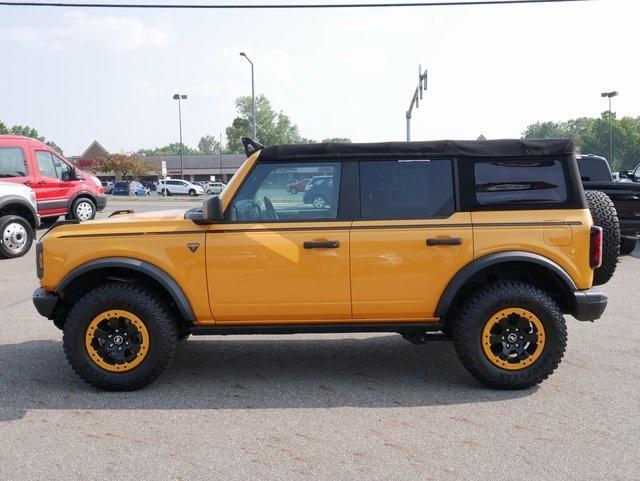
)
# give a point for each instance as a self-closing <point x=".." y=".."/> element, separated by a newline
<point x="117" y="341"/>
<point x="513" y="338"/>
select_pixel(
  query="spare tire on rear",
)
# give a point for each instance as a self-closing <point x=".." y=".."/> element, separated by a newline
<point x="604" y="215"/>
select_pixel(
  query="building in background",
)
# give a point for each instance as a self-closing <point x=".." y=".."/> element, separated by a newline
<point x="201" y="167"/>
<point x="94" y="152"/>
<point x="196" y="167"/>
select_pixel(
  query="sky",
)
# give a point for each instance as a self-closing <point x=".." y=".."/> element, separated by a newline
<point x="79" y="75"/>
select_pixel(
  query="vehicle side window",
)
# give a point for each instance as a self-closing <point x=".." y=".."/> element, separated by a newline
<point x="265" y="194"/>
<point x="12" y="162"/>
<point x="593" y="170"/>
<point x="46" y="165"/>
<point x="520" y="181"/>
<point x="62" y="168"/>
<point x="399" y="189"/>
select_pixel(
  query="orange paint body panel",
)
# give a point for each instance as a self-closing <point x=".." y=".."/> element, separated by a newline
<point x="513" y="234"/>
<point x="395" y="274"/>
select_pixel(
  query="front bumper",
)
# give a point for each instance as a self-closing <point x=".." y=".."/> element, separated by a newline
<point x="589" y="305"/>
<point x="101" y="202"/>
<point x="45" y="302"/>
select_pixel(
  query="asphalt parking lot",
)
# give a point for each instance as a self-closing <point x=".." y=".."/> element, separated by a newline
<point x="361" y="407"/>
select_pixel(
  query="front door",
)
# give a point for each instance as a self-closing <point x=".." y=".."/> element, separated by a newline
<point x="53" y="187"/>
<point x="409" y="241"/>
<point x="280" y="258"/>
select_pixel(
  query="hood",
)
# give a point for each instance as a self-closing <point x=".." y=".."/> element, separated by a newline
<point x="129" y="223"/>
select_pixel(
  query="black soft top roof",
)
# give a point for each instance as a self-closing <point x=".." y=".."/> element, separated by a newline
<point x="437" y="148"/>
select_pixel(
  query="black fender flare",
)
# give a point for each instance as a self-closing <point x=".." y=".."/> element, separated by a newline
<point x="464" y="274"/>
<point x="165" y="280"/>
<point x="11" y="199"/>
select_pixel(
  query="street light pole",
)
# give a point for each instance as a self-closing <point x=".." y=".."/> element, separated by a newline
<point x="609" y="95"/>
<point x="180" y="98"/>
<point x="253" y="98"/>
<point x="415" y="99"/>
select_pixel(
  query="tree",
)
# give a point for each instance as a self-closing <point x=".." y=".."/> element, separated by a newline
<point x="592" y="136"/>
<point x="272" y="127"/>
<point x="27" y="131"/>
<point x="208" y="145"/>
<point x="132" y="165"/>
<point x="337" y="140"/>
<point x="171" y="149"/>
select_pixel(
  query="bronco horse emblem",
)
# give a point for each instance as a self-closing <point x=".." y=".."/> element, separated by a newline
<point x="193" y="246"/>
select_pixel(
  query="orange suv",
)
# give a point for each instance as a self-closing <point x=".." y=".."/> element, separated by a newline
<point x="487" y="243"/>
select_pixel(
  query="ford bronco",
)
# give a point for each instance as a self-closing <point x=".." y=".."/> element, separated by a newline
<point x="487" y="243"/>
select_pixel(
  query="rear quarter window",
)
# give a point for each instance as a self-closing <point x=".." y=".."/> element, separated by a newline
<point x="500" y="182"/>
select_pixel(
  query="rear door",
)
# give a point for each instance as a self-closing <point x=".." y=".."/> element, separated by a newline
<point x="409" y="240"/>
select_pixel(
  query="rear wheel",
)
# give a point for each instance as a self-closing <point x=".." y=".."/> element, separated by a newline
<point x="604" y="215"/>
<point x="16" y="236"/>
<point x="510" y="335"/>
<point x="319" y="202"/>
<point x="119" y="337"/>
<point x="627" y="246"/>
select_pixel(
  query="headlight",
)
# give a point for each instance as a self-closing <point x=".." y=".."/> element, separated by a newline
<point x="96" y="181"/>
<point x="32" y="196"/>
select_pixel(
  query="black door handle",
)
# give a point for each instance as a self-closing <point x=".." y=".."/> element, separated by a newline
<point x="321" y="245"/>
<point x="447" y="241"/>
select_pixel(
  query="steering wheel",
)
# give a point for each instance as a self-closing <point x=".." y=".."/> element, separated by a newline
<point x="270" y="210"/>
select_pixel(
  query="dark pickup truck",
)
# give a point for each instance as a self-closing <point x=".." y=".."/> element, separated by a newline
<point x="596" y="175"/>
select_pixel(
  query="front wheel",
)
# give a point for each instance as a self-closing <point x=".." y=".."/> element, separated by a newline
<point x="16" y="236"/>
<point x="192" y="193"/>
<point x="119" y="337"/>
<point x="82" y="209"/>
<point x="510" y="335"/>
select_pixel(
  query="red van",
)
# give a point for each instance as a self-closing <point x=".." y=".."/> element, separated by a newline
<point x="60" y="187"/>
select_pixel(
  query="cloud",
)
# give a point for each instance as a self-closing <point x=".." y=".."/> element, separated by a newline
<point x="111" y="32"/>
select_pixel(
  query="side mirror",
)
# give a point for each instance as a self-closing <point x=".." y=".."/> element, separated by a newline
<point x="72" y="174"/>
<point x="212" y="209"/>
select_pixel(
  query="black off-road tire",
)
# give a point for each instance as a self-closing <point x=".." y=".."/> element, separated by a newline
<point x="16" y="236"/>
<point x="604" y="215"/>
<point x="476" y="311"/>
<point x="148" y="307"/>
<point x="627" y="246"/>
